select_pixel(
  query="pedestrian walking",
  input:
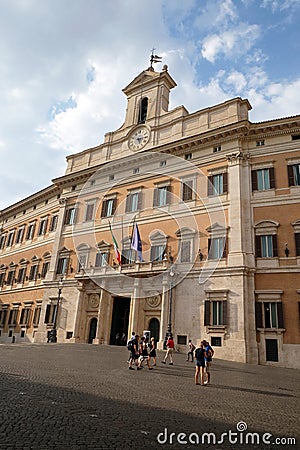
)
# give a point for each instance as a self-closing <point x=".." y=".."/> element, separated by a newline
<point x="143" y="352"/>
<point x="208" y="360"/>
<point x="191" y="349"/>
<point x="152" y="353"/>
<point x="170" y="349"/>
<point x="200" y="355"/>
<point x="133" y="347"/>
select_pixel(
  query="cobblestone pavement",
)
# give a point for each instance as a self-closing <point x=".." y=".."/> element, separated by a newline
<point x="57" y="396"/>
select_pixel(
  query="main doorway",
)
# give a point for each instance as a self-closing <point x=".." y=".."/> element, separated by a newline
<point x="154" y="328"/>
<point x="120" y="321"/>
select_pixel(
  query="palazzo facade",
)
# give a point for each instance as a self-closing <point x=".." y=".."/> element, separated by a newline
<point x="216" y="201"/>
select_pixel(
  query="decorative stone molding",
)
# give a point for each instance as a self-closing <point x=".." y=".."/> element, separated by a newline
<point x="153" y="301"/>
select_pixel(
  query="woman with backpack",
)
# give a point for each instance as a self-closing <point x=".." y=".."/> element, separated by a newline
<point x="200" y="355"/>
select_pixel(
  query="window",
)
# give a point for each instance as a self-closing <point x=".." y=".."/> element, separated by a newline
<point x="43" y="226"/>
<point x="295" y="137"/>
<point x="21" y="275"/>
<point x="25" y="316"/>
<point x="70" y="216"/>
<point x="188" y="156"/>
<point x="161" y="196"/>
<point x="216" y="341"/>
<point x="266" y="246"/>
<point x="33" y="272"/>
<point x="263" y="179"/>
<point x="111" y="177"/>
<point x="89" y="211"/>
<point x="294" y="174"/>
<point x="157" y="252"/>
<point x="133" y="201"/>
<point x="101" y="259"/>
<point x="127" y="256"/>
<point x="217" y="149"/>
<point x="215" y="312"/>
<point x="269" y="314"/>
<point x="163" y="163"/>
<point x="45" y="268"/>
<point x="62" y="266"/>
<point x="82" y="262"/>
<point x="217" y="248"/>
<point x="13" y="315"/>
<point x="143" y="110"/>
<point x="30" y="231"/>
<point x="108" y="207"/>
<point x="2" y="277"/>
<point x="260" y="143"/>
<point x="10" y="277"/>
<point x="50" y="313"/>
<point x="10" y="238"/>
<point x="2" y="241"/>
<point x="3" y="315"/>
<point x="297" y="243"/>
<point x="185" y="251"/>
<point x="37" y="315"/>
<point x="136" y="170"/>
<point x="187" y="190"/>
<point x="217" y="184"/>
<point x="181" y="340"/>
<point x="53" y="223"/>
<point x="20" y="235"/>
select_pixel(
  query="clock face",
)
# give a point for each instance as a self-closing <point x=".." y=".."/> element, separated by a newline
<point x="139" y="138"/>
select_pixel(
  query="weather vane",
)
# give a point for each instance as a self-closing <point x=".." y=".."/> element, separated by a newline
<point x="154" y="59"/>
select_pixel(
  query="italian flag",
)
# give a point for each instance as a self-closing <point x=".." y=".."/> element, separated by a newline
<point x="116" y="247"/>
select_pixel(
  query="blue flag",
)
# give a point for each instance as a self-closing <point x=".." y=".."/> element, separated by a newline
<point x="136" y="242"/>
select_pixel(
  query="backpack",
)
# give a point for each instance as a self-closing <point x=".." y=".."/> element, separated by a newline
<point x="130" y="345"/>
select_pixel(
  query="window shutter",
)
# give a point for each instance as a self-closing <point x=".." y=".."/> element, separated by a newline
<point x="224" y="311"/>
<point x="139" y="201"/>
<point x="225" y="183"/>
<point x="224" y="255"/>
<point x="114" y="206"/>
<point x="206" y="313"/>
<point x="168" y="196"/>
<point x="257" y="247"/>
<point x="258" y="315"/>
<point x="128" y="203"/>
<point x="208" y="247"/>
<point x="272" y="177"/>
<point x="280" y="315"/>
<point x="210" y="187"/>
<point x="104" y="209"/>
<point x="297" y="243"/>
<point x="291" y="175"/>
<point x="155" y="197"/>
<point x="254" y="180"/>
<point x="274" y="239"/>
<point x="152" y="253"/>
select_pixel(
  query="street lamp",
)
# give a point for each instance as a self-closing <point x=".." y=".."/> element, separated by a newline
<point x="169" y="329"/>
<point x="53" y="332"/>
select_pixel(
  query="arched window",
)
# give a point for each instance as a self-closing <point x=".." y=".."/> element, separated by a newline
<point x="143" y="110"/>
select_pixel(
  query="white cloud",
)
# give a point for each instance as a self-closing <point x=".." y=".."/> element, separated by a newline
<point x="231" y="43"/>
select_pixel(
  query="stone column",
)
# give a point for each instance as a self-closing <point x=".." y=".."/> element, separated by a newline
<point x="134" y="309"/>
<point x="56" y="244"/>
<point x="102" y="322"/>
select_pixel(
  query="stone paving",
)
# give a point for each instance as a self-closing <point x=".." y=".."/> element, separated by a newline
<point x="78" y="397"/>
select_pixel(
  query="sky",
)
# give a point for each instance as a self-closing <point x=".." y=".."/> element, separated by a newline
<point x="64" y="63"/>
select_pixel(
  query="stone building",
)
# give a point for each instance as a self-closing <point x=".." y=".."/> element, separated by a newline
<point x="215" y="199"/>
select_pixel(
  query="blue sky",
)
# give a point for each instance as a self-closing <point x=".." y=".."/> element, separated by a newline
<point x="64" y="63"/>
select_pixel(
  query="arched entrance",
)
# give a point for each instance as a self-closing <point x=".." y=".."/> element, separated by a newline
<point x="154" y="328"/>
<point x="93" y="330"/>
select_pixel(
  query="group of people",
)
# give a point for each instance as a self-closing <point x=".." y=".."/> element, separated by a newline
<point x="203" y="358"/>
<point x="142" y="349"/>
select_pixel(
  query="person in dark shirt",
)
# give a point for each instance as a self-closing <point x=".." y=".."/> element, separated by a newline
<point x="200" y="356"/>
